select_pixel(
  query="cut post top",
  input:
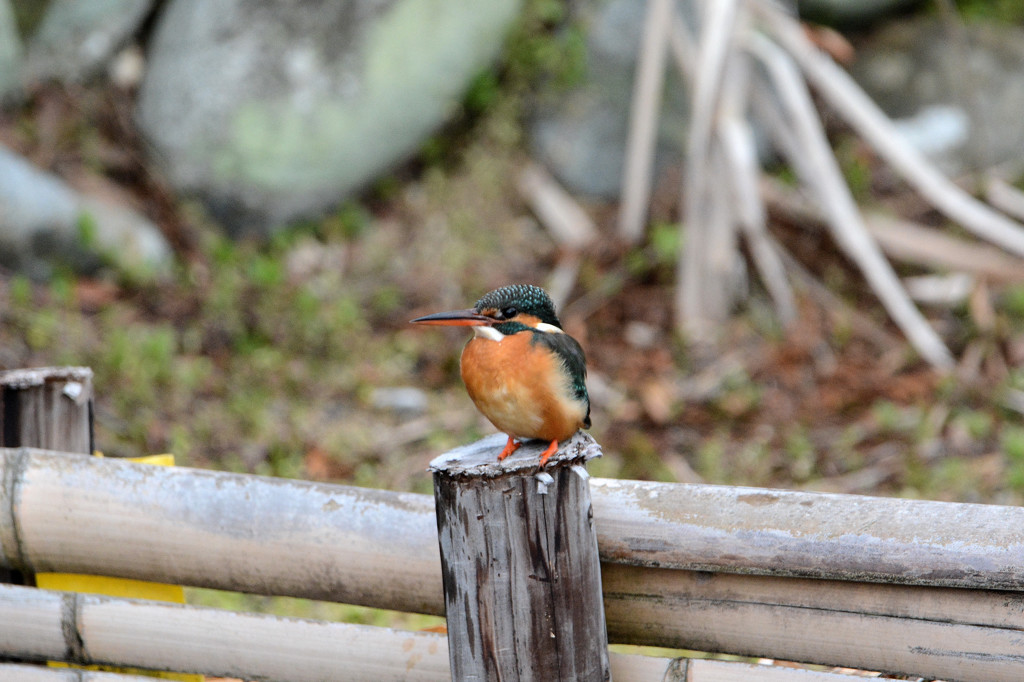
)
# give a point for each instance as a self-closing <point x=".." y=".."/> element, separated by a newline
<point x="480" y="459"/>
<point x="37" y="376"/>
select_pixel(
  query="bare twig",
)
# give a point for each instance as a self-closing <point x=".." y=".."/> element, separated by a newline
<point x="643" y="128"/>
<point x="717" y="37"/>
<point x="925" y="246"/>
<point x="565" y="219"/>
<point x="707" y="271"/>
<point x="844" y="219"/>
<point x="682" y="47"/>
<point x="702" y="288"/>
<point x="563" y="278"/>
<point x="737" y="140"/>
<point x="735" y="136"/>
<point x="1005" y="196"/>
<point x="903" y="239"/>
<point x="859" y="111"/>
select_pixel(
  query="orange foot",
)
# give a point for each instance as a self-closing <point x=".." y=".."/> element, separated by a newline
<point x="510" y="447"/>
<point x="546" y="455"/>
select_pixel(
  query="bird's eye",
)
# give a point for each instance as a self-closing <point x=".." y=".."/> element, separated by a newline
<point x="509" y="312"/>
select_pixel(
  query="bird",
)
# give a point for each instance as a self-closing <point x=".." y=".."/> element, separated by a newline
<point x="523" y="372"/>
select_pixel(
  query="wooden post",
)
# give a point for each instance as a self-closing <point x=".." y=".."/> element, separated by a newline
<point x="48" y="408"/>
<point x="519" y="563"/>
<point x="45" y="407"/>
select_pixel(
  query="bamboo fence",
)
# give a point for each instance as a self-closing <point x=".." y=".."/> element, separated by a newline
<point x="920" y="587"/>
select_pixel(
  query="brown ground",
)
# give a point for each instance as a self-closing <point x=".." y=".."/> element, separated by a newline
<point x="837" y="402"/>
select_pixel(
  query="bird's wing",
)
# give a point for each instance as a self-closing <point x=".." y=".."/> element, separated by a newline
<point x="574" y="361"/>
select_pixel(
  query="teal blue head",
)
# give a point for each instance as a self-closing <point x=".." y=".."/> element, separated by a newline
<point x="517" y="306"/>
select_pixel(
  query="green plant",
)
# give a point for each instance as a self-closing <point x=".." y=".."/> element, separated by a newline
<point x="800" y="453"/>
<point x="1012" y="443"/>
<point x="710" y="460"/>
<point x="978" y="424"/>
<point x="1005" y="11"/>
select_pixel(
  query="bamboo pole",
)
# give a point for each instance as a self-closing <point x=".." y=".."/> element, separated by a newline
<point x="934" y="632"/>
<point x="91" y="629"/>
<point x="706" y="670"/>
<point x="262" y="535"/>
<point x="522" y="578"/>
<point x="378" y="548"/>
<point x="812" y="535"/>
<point x="625" y="668"/>
<point x="14" y="672"/>
<point x="217" y="642"/>
<point x="213" y="529"/>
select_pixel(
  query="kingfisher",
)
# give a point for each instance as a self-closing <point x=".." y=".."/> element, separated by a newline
<point x="522" y="371"/>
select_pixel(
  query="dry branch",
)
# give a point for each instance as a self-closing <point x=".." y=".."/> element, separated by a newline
<point x="643" y="118"/>
<point x="851" y="103"/>
<point x="905" y="240"/>
<point x="822" y="173"/>
<point x="718" y="154"/>
<point x="706" y="270"/>
<point x="1005" y="196"/>
<point x="838" y="310"/>
<point x="738" y="142"/>
<point x="565" y="219"/>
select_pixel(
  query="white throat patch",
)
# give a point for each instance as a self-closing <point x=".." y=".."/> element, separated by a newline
<point x="490" y="333"/>
<point x="548" y="328"/>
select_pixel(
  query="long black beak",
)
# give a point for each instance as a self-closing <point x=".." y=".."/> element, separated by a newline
<point x="456" y="318"/>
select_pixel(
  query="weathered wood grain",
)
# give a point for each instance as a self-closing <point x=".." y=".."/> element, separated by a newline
<point x="93" y="629"/>
<point x="378" y="548"/>
<point x="691" y="527"/>
<point x="659" y="588"/>
<point x="44" y="407"/>
<point x="212" y="641"/>
<point x="810" y="535"/>
<point x="47" y="407"/>
<point x="519" y="563"/>
<point x="948" y="633"/>
<point x="717" y="528"/>
<point x="81" y="514"/>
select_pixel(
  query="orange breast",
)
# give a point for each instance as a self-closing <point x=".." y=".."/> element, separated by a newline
<point x="521" y="388"/>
